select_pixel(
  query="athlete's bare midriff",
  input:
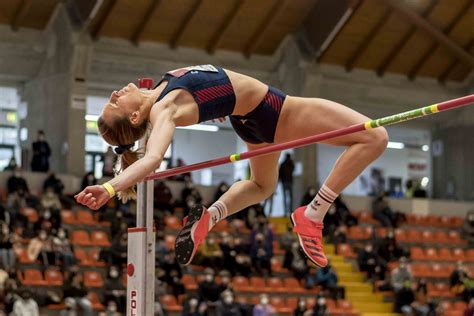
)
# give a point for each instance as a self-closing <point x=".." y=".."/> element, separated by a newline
<point x="249" y="92"/>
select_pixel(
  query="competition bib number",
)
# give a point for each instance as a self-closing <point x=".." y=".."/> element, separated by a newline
<point x="182" y="71"/>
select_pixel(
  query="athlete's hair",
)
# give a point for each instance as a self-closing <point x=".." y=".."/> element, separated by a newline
<point x="122" y="132"/>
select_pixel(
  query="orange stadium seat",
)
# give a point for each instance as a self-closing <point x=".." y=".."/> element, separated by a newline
<point x="455" y="238"/>
<point x="173" y="222"/>
<point x="53" y="277"/>
<point x="441" y="271"/>
<point x="85" y="217"/>
<point x="292" y="285"/>
<point x="81" y="255"/>
<point x="458" y="255"/>
<point x="222" y="226"/>
<point x="275" y="285"/>
<point x="277" y="265"/>
<point x="189" y="282"/>
<point x="170" y="303"/>
<point x="93" y="279"/>
<point x="23" y="257"/>
<point x="414" y="236"/>
<point x="431" y="254"/>
<point x="439" y="290"/>
<point x="93" y="256"/>
<point x="417" y="253"/>
<point x="241" y="284"/>
<point x="401" y="235"/>
<point x="445" y="254"/>
<point x="440" y="237"/>
<point x="366" y="217"/>
<point x="80" y="238"/>
<point x="257" y="284"/>
<point x="427" y="237"/>
<point x="276" y="248"/>
<point x="68" y="217"/>
<point x="100" y="238"/>
<point x="381" y="232"/>
<point x="421" y="270"/>
<point x="358" y="233"/>
<point x="469" y="253"/>
<point x="292" y="302"/>
<point x="31" y="277"/>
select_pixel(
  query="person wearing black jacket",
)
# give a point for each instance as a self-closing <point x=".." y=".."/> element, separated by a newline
<point x="41" y="154"/>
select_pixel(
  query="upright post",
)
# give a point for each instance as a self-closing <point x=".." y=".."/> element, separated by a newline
<point x="141" y="245"/>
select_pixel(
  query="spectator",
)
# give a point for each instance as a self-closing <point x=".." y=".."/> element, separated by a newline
<point x="114" y="290"/>
<point x="208" y="289"/>
<point x="222" y="188"/>
<point x="119" y="249"/>
<point x="211" y="254"/>
<point x="88" y="180"/>
<point x="460" y="282"/>
<point x="52" y="206"/>
<point x="109" y="160"/>
<point x="41" y="248"/>
<point x="63" y="249"/>
<point x="404" y="298"/>
<point x="243" y="262"/>
<point x="331" y="221"/>
<point x="286" y="178"/>
<point x="41" y="153"/>
<point x="6" y="247"/>
<point x="327" y="278"/>
<point x="468" y="227"/>
<point x="192" y="307"/>
<point x="254" y="213"/>
<point x="301" y="308"/>
<point x="70" y="308"/>
<point x="16" y="182"/>
<point x="344" y="214"/>
<point x="184" y="176"/>
<point x="53" y="182"/>
<point x="229" y="252"/>
<point x="320" y="308"/>
<point x="3" y="279"/>
<point x="388" y="248"/>
<point x="308" y="196"/>
<point x="227" y="307"/>
<point x="111" y="309"/>
<point x="74" y="289"/>
<point x="371" y="263"/>
<point x="226" y="282"/>
<point x="339" y="236"/>
<point x="190" y="196"/>
<point x="409" y="189"/>
<point x="295" y="261"/>
<point x="263" y="308"/>
<point x="261" y="246"/>
<point x="12" y="165"/>
<point x="382" y="212"/>
<point x="163" y="197"/>
<point x="25" y="305"/>
<point x="401" y="275"/>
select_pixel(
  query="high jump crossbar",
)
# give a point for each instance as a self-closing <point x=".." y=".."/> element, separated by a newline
<point x="388" y="120"/>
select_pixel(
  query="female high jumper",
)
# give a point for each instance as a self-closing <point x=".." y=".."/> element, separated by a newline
<point x="260" y="115"/>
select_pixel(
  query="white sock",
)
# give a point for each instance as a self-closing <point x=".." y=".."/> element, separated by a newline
<point x="218" y="212"/>
<point x="316" y="210"/>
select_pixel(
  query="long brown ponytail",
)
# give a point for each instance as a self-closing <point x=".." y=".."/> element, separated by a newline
<point x="122" y="132"/>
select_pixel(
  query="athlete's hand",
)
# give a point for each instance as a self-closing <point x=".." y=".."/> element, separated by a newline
<point x="94" y="197"/>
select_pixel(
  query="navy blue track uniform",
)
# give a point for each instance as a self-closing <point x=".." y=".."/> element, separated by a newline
<point x="213" y="92"/>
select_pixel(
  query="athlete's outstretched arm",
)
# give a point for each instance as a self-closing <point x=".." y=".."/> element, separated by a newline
<point x="161" y="136"/>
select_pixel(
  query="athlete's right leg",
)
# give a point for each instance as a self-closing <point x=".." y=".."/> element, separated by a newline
<point x="264" y="178"/>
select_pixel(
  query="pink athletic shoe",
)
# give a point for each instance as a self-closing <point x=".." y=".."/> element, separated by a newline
<point x="196" y="227"/>
<point x="310" y="236"/>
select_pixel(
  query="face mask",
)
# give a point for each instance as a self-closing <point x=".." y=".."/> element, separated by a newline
<point x="321" y="301"/>
<point x="228" y="299"/>
<point x="114" y="274"/>
<point x="302" y="304"/>
<point x="264" y="300"/>
<point x="112" y="308"/>
<point x="42" y="236"/>
<point x="209" y="278"/>
<point x="47" y="215"/>
<point x="62" y="234"/>
<point x="193" y="302"/>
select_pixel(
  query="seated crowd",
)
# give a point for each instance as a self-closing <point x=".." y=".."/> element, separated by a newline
<point x="34" y="233"/>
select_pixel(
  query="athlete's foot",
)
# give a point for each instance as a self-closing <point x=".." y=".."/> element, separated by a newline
<point x="196" y="227"/>
<point x="310" y="236"/>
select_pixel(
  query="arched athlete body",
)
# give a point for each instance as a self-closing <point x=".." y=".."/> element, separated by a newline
<point x="260" y="115"/>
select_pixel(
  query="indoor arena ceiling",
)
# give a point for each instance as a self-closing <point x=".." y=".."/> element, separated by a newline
<point x="418" y="38"/>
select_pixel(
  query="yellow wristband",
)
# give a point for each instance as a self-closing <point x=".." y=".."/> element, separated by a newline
<point x="109" y="189"/>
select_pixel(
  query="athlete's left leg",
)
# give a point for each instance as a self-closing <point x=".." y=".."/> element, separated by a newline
<point x="264" y="178"/>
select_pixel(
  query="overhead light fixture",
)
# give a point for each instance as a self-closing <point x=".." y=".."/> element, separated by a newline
<point x="91" y="117"/>
<point x="395" y="145"/>
<point x="425" y="147"/>
<point x="425" y="181"/>
<point x="197" y="127"/>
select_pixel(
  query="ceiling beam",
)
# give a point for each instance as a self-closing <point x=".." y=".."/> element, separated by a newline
<point x="417" y="67"/>
<point x="445" y="75"/>
<point x="217" y="37"/>
<point x="20" y="12"/>
<point x="184" y="24"/>
<point x="398" y="48"/>
<point x="436" y="34"/>
<point x="259" y="33"/>
<point x="150" y="12"/>
<point x="338" y="28"/>
<point x="102" y="16"/>
<point x="368" y="40"/>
